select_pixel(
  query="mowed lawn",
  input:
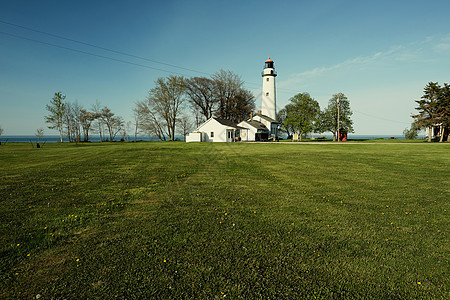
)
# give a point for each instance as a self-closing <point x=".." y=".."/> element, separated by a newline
<point x="203" y="220"/>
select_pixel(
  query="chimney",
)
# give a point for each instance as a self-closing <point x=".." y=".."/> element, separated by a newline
<point x="259" y="112"/>
<point x="251" y="115"/>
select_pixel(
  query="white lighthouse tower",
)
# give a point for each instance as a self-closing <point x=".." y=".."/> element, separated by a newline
<point x="269" y="96"/>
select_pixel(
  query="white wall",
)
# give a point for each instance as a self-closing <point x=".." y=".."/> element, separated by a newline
<point x="220" y="131"/>
<point x="194" y="137"/>
<point x="249" y="134"/>
<point x="269" y="102"/>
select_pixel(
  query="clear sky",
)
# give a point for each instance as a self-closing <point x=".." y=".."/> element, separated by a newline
<point x="380" y="54"/>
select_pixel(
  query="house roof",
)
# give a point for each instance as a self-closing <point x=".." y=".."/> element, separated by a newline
<point x="267" y="118"/>
<point x="223" y="122"/>
<point x="257" y="125"/>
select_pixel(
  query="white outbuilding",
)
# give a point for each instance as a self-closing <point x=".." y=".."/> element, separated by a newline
<point x="254" y="131"/>
<point x="215" y="130"/>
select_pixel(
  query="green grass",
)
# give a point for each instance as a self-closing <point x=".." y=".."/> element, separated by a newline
<point x="204" y="220"/>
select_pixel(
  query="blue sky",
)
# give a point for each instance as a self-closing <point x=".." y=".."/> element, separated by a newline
<point x="380" y="54"/>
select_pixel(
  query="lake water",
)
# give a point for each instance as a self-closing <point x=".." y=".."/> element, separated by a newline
<point x="56" y="138"/>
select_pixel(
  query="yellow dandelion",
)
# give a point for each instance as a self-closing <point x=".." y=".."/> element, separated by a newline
<point x="16" y="274"/>
<point x="164" y="261"/>
<point x="418" y="282"/>
<point x="45" y="227"/>
<point x="18" y="245"/>
<point x="78" y="260"/>
<point x="28" y="254"/>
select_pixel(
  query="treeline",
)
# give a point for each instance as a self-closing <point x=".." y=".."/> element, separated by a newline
<point x="175" y="105"/>
<point x="302" y="115"/>
<point x="73" y="120"/>
<point x="434" y="113"/>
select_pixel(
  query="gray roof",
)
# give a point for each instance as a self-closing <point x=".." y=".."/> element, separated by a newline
<point x="267" y="118"/>
<point x="257" y="125"/>
<point x="228" y="123"/>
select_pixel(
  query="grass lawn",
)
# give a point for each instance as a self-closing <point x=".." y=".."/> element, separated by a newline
<point x="211" y="220"/>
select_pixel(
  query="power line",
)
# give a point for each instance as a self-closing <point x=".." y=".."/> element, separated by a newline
<point x="375" y="117"/>
<point x="112" y="51"/>
<point x="88" y="53"/>
<point x="102" y="48"/>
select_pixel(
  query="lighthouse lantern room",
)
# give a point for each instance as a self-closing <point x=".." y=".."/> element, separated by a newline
<point x="269" y="98"/>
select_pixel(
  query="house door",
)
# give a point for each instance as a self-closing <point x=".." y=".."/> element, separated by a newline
<point x="230" y="135"/>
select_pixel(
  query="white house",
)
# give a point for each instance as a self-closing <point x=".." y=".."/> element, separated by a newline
<point x="271" y="124"/>
<point x="215" y="130"/>
<point x="254" y="131"/>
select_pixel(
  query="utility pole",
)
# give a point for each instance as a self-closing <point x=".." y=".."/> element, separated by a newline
<point x="338" y="133"/>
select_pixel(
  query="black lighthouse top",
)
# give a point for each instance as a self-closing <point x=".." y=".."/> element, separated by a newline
<point x="269" y="64"/>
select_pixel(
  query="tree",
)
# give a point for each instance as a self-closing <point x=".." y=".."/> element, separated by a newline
<point x="412" y="132"/>
<point x="186" y="125"/>
<point x="56" y="113"/>
<point x="72" y="121"/>
<point x="329" y="117"/>
<point x="286" y="128"/>
<point x="428" y="108"/>
<point x="302" y="114"/>
<point x="138" y="114"/>
<point x="202" y="95"/>
<point x="86" y="119"/>
<point x="164" y="104"/>
<point x="112" y="122"/>
<point x="443" y="111"/>
<point x="1" y="132"/>
<point x="39" y="134"/>
<point x="234" y="102"/>
<point x="149" y="121"/>
<point x="97" y="109"/>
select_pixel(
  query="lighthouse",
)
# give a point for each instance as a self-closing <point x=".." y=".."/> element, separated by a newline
<point x="269" y="96"/>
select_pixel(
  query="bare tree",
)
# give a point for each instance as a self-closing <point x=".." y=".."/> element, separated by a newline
<point x="164" y="103"/>
<point x="97" y="109"/>
<point x="113" y="123"/>
<point x="86" y="119"/>
<point x="125" y="130"/>
<point x="234" y="102"/>
<point x="202" y="94"/>
<point x="39" y="134"/>
<point x="186" y="125"/>
<point x="149" y="122"/>
<point x="138" y="114"/>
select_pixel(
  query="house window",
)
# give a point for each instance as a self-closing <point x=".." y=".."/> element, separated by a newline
<point x="267" y="78"/>
<point x="212" y="134"/>
<point x="267" y="94"/>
